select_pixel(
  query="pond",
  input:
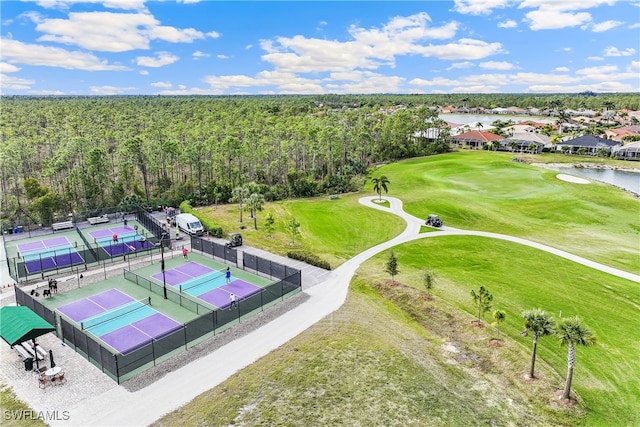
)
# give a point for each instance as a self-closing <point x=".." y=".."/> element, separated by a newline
<point x="487" y="119"/>
<point x="628" y="180"/>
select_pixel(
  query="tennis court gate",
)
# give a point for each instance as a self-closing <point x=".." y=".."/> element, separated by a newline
<point x="209" y="322"/>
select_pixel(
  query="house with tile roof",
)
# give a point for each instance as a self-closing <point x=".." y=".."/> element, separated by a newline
<point x="476" y="139"/>
<point x="616" y="134"/>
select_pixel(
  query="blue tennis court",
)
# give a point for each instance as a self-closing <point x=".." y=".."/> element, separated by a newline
<point x="49" y="254"/>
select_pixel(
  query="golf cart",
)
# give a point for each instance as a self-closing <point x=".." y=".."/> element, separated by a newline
<point x="235" y="239"/>
<point x="433" y="220"/>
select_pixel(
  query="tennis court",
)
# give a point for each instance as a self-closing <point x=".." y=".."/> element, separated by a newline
<point x="119" y="320"/>
<point x="48" y="254"/>
<point x="129" y="240"/>
<point x="207" y="284"/>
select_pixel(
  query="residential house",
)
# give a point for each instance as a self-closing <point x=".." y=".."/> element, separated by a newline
<point x="590" y="144"/>
<point x="476" y="139"/>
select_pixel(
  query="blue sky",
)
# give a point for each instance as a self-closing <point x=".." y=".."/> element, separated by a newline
<point x="131" y="47"/>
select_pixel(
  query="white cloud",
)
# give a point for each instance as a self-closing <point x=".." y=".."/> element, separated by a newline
<point x="634" y="26"/>
<point x="562" y="69"/>
<point x="111" y="32"/>
<point x="566" y="49"/>
<point x="463" y="49"/>
<point x="164" y="85"/>
<point x="556" y="14"/>
<point x="552" y="20"/>
<point x="143" y="72"/>
<point x="110" y="90"/>
<point x="602" y="87"/>
<point x="595" y="58"/>
<point x="162" y="59"/>
<point x="634" y="67"/>
<point x="247" y="47"/>
<point x="614" y="51"/>
<point x="479" y="7"/>
<point x="213" y="34"/>
<point x="605" y="26"/>
<point x="8" y="68"/>
<point x="46" y="92"/>
<point x="14" y="83"/>
<point x="509" y="23"/>
<point x="222" y="56"/>
<point x="496" y="65"/>
<point x="372" y="48"/>
<point x="460" y="65"/>
<point x="112" y="4"/>
<point x="475" y="89"/>
<point x="197" y="55"/>
<point x="14" y="51"/>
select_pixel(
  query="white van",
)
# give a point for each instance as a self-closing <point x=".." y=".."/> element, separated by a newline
<point x="189" y="224"/>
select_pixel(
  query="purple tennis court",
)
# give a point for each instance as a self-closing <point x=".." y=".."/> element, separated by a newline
<point x="183" y="273"/>
<point x="128" y="240"/>
<point x="120" y="321"/>
<point x="49" y="254"/>
<point x="140" y="333"/>
<point x="220" y="296"/>
<point x="95" y="304"/>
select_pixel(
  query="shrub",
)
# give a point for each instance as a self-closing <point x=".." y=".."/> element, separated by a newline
<point x="309" y="258"/>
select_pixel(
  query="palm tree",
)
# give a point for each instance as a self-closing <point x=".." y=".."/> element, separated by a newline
<point x="499" y="316"/>
<point x="571" y="332"/>
<point x="240" y="195"/>
<point x="540" y="324"/>
<point x="380" y="184"/>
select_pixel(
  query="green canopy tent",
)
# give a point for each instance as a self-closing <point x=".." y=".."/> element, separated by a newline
<point x="20" y="324"/>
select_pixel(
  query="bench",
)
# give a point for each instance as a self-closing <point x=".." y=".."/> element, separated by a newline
<point x="40" y="352"/>
<point x="98" y="219"/>
<point x="62" y="225"/>
<point x="21" y="351"/>
<point x="333" y="197"/>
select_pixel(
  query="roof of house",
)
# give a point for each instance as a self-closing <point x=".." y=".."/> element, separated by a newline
<point x="590" y="141"/>
<point x="530" y="137"/>
<point x="476" y="135"/>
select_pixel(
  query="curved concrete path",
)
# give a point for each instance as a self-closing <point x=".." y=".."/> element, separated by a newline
<point x="119" y="407"/>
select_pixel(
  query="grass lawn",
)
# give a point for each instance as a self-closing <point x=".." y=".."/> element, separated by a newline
<point x="607" y="376"/>
<point x="372" y="363"/>
<point x="487" y="191"/>
<point x="335" y="230"/>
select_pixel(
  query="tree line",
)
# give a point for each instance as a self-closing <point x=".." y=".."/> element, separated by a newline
<point x="78" y="154"/>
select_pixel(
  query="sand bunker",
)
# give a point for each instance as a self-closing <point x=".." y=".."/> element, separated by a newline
<point x="573" y="179"/>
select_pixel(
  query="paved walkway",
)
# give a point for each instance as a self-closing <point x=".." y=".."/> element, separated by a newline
<point x="119" y="407"/>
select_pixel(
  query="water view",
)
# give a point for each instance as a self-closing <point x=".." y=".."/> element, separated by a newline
<point x="487" y="119"/>
<point x="627" y="180"/>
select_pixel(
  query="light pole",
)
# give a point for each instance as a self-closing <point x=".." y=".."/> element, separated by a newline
<point x="164" y="280"/>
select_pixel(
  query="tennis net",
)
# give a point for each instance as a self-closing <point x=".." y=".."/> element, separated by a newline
<point x="210" y="277"/>
<point x="86" y="242"/>
<point x="117" y="312"/>
<point x="122" y="238"/>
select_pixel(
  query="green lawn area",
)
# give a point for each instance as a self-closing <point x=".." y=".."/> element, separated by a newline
<point x="487" y="191"/>
<point x="607" y="376"/>
<point x="381" y="354"/>
<point x="335" y="230"/>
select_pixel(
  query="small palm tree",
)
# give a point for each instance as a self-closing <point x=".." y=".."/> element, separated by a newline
<point x="380" y="184"/>
<point x="499" y="316"/>
<point x="540" y="324"/>
<point x="571" y="332"/>
<point x="429" y="280"/>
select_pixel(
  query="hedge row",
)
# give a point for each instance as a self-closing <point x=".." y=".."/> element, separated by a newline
<point x="309" y="258"/>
